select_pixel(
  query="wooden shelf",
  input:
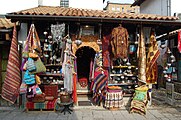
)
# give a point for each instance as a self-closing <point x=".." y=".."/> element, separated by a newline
<point x="122" y="74"/>
<point x="52" y="65"/>
<point x="123" y="66"/>
<point x="110" y="84"/>
<point x="51" y="75"/>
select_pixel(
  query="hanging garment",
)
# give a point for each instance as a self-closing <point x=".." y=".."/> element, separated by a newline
<point x="162" y="59"/>
<point x="141" y="59"/>
<point x="151" y="65"/>
<point x="119" y="42"/>
<point x="179" y="41"/>
<point x="67" y="67"/>
<point x="105" y="50"/>
<point x="11" y="86"/>
<point x="68" y="80"/>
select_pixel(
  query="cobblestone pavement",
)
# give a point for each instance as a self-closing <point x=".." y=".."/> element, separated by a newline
<point x="158" y="111"/>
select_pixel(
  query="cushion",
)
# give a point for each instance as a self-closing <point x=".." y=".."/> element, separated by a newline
<point x="49" y="98"/>
<point x="140" y="95"/>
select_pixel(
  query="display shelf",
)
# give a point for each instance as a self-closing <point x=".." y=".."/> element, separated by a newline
<point x="51" y="74"/>
<point x="112" y="75"/>
<point x="52" y="83"/>
<point x="53" y="65"/>
<point x="111" y="84"/>
<point x="123" y="66"/>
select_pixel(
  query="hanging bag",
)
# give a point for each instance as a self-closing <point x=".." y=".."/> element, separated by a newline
<point x="23" y="88"/>
<point x="28" y="78"/>
<point x="40" y="67"/>
<point x="33" y="55"/>
<point x="30" y="65"/>
<point x="38" y="81"/>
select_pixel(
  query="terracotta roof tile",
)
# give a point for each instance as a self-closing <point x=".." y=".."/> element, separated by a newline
<point x="61" y="11"/>
<point x="6" y="23"/>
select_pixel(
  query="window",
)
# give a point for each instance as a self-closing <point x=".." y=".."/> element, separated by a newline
<point x="118" y="9"/>
<point x="64" y="3"/>
<point x="87" y="30"/>
<point x="122" y="9"/>
<point x="113" y="8"/>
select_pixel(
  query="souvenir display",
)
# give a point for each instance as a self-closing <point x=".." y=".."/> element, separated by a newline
<point x="170" y="72"/>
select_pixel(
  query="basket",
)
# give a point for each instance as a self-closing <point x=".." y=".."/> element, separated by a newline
<point x="65" y="98"/>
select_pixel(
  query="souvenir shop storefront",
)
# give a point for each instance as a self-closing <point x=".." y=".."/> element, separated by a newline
<point x="69" y="51"/>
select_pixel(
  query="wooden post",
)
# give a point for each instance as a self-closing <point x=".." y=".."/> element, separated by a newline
<point x="150" y="94"/>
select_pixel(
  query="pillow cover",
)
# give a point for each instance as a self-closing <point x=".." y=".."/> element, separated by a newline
<point x="140" y="95"/>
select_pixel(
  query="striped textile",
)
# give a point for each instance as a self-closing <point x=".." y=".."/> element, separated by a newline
<point x="42" y="105"/>
<point x="114" y="99"/>
<point x="99" y="88"/>
<point x="10" y="89"/>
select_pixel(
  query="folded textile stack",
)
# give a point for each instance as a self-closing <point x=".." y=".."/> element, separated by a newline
<point x="140" y="100"/>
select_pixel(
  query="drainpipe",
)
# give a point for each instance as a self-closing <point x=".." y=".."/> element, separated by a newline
<point x="40" y="2"/>
<point x="168" y="7"/>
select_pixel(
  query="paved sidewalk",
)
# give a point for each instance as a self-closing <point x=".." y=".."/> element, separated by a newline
<point x="92" y="113"/>
<point x="158" y="111"/>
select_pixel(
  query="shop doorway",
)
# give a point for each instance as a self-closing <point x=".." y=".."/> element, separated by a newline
<point x="85" y="56"/>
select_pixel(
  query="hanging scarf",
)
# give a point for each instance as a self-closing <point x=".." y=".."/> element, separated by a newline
<point x="141" y="59"/>
<point x="151" y="65"/>
<point x="10" y="89"/>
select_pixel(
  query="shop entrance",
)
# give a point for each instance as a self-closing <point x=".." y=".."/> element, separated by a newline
<point x="85" y="56"/>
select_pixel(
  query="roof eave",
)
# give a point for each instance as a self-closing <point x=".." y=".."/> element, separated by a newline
<point x="21" y="18"/>
<point x="137" y="3"/>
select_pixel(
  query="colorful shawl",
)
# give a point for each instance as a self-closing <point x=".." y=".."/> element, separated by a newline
<point x="98" y="88"/>
<point x="10" y="89"/>
<point x="141" y="59"/>
<point x="151" y="66"/>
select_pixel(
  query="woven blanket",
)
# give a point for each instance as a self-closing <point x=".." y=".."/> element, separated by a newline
<point x="99" y="88"/>
<point x="10" y="89"/>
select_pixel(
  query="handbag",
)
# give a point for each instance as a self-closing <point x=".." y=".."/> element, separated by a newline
<point x="30" y="65"/>
<point x="25" y="54"/>
<point x="33" y="55"/>
<point x="38" y="81"/>
<point x="40" y="67"/>
<point x="23" y="88"/>
<point x="28" y="78"/>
